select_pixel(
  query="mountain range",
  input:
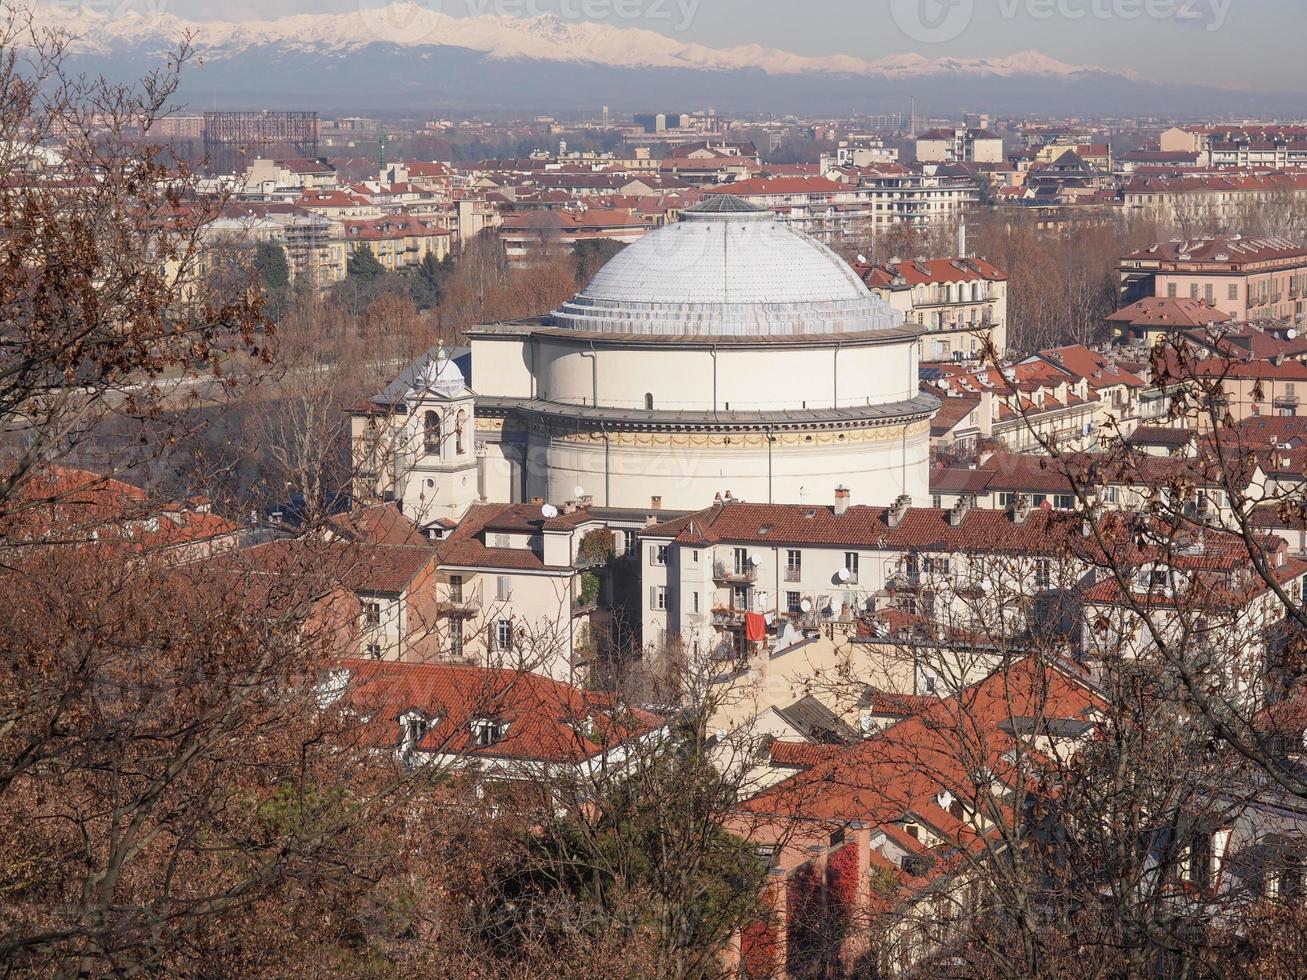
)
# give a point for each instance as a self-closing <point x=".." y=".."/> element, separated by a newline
<point x="407" y="57"/>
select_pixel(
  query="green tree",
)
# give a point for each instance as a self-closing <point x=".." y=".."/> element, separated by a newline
<point x="364" y="265"/>
<point x="270" y="260"/>
<point x="427" y="284"/>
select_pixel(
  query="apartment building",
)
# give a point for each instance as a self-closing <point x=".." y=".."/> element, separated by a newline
<point x="959" y="302"/>
<point x="1248" y="278"/>
<point x="724" y="580"/>
<point x="959" y="146"/>
<point x="399" y="241"/>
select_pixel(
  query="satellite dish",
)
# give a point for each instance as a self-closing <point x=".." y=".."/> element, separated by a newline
<point x="1290" y="333"/>
<point x="805" y="606"/>
<point x="862" y="259"/>
<point x="843" y="575"/>
<point x="548" y="512"/>
<point x="755" y="559"/>
<point x="578" y="492"/>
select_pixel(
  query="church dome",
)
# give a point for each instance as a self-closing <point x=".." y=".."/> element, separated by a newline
<point x="727" y="268"/>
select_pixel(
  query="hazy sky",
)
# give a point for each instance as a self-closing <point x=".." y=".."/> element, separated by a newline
<point x="1254" y="44"/>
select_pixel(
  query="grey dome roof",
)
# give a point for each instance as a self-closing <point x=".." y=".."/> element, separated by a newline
<point x="727" y="268"/>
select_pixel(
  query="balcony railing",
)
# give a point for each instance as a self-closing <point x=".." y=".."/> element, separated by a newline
<point x="723" y="572"/>
<point x="727" y="617"/>
<point x="793" y="574"/>
<point x="1285" y="401"/>
<point x="464" y="606"/>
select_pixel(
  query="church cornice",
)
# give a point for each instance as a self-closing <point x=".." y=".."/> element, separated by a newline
<point x="572" y="418"/>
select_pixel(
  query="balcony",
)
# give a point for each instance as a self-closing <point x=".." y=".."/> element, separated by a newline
<point x="793" y="574"/>
<point x="725" y="617"/>
<point x="1285" y="401"/>
<point x="584" y="562"/>
<point x="731" y="574"/>
<point x="460" y="607"/>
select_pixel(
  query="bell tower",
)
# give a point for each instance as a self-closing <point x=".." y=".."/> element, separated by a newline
<point x="439" y="460"/>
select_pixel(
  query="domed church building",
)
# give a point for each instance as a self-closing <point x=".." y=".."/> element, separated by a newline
<point x="723" y="353"/>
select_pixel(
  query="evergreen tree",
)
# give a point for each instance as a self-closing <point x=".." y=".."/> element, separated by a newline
<point x="364" y="265"/>
<point x="270" y="260"/>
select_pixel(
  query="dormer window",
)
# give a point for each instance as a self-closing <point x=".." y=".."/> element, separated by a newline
<point x="488" y="731"/>
<point x="413" y="725"/>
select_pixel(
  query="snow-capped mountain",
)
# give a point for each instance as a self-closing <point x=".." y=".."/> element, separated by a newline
<point x="412" y="57"/>
<point x="545" y="37"/>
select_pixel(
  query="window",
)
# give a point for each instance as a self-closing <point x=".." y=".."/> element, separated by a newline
<point x="488" y="731"/>
<point x="793" y="603"/>
<point x="740" y="597"/>
<point x="935" y="565"/>
<point x="694" y="601"/>
<point x="456" y="588"/>
<point x="1043" y="573"/>
<point x="372" y="614"/>
<point x="503" y="587"/>
<point x="741" y="560"/>
<point x="658" y="598"/>
<point x="456" y="637"/>
<point x="504" y="635"/>
<point x="1193" y="290"/>
<point x="658" y="554"/>
<point x="630" y="544"/>
<point x="793" y="565"/>
<point x="851" y="564"/>
<point x="648" y="401"/>
<point x="1064" y="501"/>
<point x="1232" y="292"/>
<point x="374" y="651"/>
<point x="1209" y="293"/>
<point x="694" y="556"/>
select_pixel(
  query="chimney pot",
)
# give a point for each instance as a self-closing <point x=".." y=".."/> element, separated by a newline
<point x="841" y="500"/>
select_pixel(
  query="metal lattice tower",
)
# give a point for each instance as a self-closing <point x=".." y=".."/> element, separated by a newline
<point x="232" y="139"/>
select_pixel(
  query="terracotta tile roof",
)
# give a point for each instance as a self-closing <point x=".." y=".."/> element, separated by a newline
<point x="76" y="505"/>
<point x="382" y="524"/>
<point x="801" y="755"/>
<point x="902" y="769"/>
<point x="982" y="530"/>
<point x="1164" y="311"/>
<point x="931" y="271"/>
<point x="546" y="720"/>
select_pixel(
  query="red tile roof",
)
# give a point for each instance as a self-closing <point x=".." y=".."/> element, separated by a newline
<point x="547" y="720"/>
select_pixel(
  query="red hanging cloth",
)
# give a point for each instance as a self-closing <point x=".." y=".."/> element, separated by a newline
<point x="755" y="627"/>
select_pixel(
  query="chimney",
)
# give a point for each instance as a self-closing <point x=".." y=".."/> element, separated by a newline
<point x="537" y="501"/>
<point x="584" y="501"/>
<point x="900" y="508"/>
<point x="1020" y="508"/>
<point x="960" y="511"/>
<point x="569" y="507"/>
<point x="841" y="500"/>
<point x="656" y="502"/>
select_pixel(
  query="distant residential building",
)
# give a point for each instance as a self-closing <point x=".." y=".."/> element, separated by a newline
<point x="1248" y="278"/>
<point x="293" y="172"/>
<point x="1211" y="201"/>
<point x="1145" y="321"/>
<point x="959" y="146"/>
<point x="533" y="233"/>
<point x="958" y="301"/>
<point x="399" y="241"/>
<point x="315" y="251"/>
